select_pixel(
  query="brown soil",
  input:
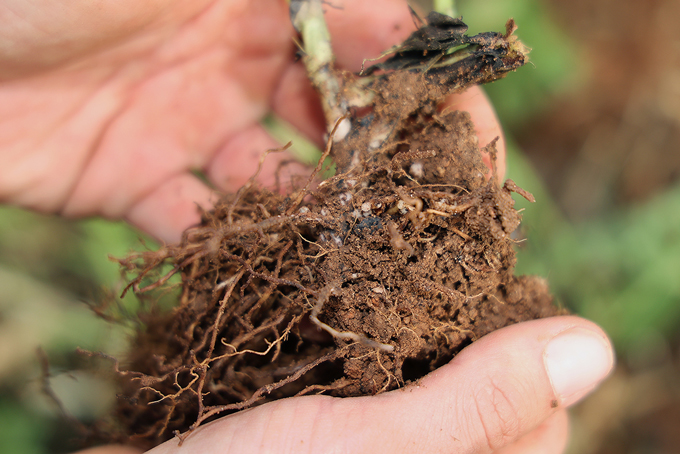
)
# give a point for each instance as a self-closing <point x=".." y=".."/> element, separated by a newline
<point x="368" y="282"/>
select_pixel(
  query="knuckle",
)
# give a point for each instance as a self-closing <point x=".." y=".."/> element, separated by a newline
<point x="498" y="411"/>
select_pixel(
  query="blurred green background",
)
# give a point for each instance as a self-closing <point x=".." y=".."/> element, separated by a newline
<point x="593" y="127"/>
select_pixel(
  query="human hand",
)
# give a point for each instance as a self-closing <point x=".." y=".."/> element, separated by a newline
<point x="109" y="118"/>
<point x="106" y="107"/>
<point x="506" y="394"/>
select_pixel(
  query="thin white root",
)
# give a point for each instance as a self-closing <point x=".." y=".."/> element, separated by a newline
<point x="360" y="338"/>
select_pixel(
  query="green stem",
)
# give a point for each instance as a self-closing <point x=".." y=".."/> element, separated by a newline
<point x="309" y="21"/>
<point x="307" y="17"/>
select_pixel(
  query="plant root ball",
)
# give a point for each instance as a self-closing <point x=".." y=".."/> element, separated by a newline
<point x="380" y="276"/>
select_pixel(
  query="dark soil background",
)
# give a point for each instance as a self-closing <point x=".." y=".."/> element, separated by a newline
<point x="594" y="132"/>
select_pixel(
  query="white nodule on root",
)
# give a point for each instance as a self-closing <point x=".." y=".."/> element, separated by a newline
<point x="342" y="130"/>
<point x="344" y="198"/>
<point x="336" y="239"/>
<point x="416" y="170"/>
<point x="379" y="137"/>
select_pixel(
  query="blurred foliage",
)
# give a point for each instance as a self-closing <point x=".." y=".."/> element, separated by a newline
<point x="620" y="268"/>
<point x="51" y="270"/>
<point x="18" y="433"/>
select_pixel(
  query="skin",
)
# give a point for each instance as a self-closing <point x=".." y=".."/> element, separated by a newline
<point x="105" y="109"/>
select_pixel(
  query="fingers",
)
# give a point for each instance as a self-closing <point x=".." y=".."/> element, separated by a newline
<point x="171" y="207"/>
<point x="487" y="127"/>
<point x="238" y="160"/>
<point x="44" y="34"/>
<point x="296" y="102"/>
<point x="498" y="391"/>
<point x="548" y="438"/>
<point x="361" y="30"/>
<point x="111" y="449"/>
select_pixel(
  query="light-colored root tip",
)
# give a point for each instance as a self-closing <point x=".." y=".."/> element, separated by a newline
<point x="359" y="338"/>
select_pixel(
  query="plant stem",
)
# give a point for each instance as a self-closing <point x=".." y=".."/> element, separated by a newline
<point x="307" y="17"/>
<point x="309" y="21"/>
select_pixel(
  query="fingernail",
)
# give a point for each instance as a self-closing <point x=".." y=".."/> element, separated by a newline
<point x="577" y="360"/>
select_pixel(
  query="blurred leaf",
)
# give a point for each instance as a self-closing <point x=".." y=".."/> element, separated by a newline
<point x="20" y="431"/>
<point x="620" y="269"/>
<point x="631" y="283"/>
<point x="302" y="148"/>
<point x="102" y="239"/>
<point x="38" y="315"/>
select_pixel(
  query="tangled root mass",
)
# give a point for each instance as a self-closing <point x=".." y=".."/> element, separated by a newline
<point x="368" y="282"/>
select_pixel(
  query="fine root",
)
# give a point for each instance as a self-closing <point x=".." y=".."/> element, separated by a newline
<point x="324" y="294"/>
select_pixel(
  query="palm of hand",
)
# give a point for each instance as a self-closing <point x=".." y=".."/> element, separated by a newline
<point x="114" y="128"/>
<point x="105" y="108"/>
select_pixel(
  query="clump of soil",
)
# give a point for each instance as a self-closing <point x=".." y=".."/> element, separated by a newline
<point x="371" y="280"/>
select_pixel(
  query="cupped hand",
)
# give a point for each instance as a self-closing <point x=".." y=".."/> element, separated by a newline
<point x="506" y="394"/>
<point x="107" y="107"/>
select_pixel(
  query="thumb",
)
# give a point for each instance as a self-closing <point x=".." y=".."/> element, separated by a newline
<point x="111" y="449"/>
<point x="491" y="394"/>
